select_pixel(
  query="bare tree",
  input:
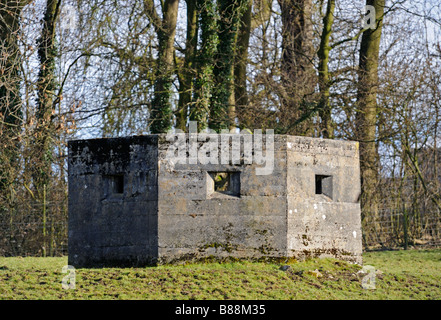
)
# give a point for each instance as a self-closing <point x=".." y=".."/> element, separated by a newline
<point x="11" y="115"/>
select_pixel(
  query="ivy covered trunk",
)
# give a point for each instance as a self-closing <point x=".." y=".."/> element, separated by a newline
<point x="46" y="87"/>
<point x="222" y="112"/>
<point x="161" y="109"/>
<point x="240" y="68"/>
<point x="204" y="81"/>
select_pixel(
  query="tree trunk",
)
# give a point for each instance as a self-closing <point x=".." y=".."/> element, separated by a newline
<point x="204" y="80"/>
<point x="240" y="69"/>
<point x="327" y="130"/>
<point x="10" y="103"/>
<point x="161" y="110"/>
<point x="297" y="70"/>
<point x="222" y="112"/>
<point x="187" y="75"/>
<point x="366" y="115"/>
<point x="46" y="86"/>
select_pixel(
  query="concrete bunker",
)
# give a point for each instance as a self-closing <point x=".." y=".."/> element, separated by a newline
<point x="130" y="205"/>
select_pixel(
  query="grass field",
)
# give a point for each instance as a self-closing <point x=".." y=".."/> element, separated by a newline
<point x="399" y="275"/>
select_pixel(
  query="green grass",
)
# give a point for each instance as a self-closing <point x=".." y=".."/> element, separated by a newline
<point x="413" y="274"/>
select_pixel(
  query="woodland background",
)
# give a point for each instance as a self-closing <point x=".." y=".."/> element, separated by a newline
<point x="102" y="68"/>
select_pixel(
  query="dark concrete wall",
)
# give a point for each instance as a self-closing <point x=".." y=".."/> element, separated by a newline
<point x="106" y="227"/>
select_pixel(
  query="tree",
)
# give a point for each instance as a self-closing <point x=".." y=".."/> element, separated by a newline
<point x="327" y="129"/>
<point x="46" y="98"/>
<point x="204" y="81"/>
<point x="161" y="109"/>
<point x="11" y="115"/>
<point x="187" y="74"/>
<point x="222" y="106"/>
<point x="240" y="68"/>
<point x="366" y="115"/>
<point x="214" y="87"/>
<point x="297" y="69"/>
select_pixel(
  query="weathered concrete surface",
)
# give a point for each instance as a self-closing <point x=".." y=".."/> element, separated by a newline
<point x="170" y="212"/>
<point x="317" y="224"/>
<point x="113" y="229"/>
